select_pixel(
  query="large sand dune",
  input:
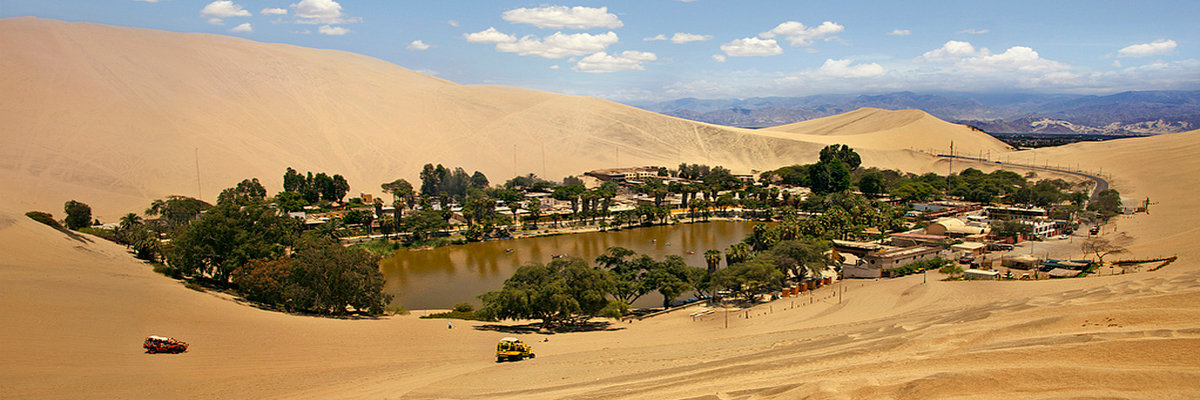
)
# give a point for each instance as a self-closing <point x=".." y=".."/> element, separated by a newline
<point x="875" y="129"/>
<point x="116" y="117"/>
<point x="76" y="309"/>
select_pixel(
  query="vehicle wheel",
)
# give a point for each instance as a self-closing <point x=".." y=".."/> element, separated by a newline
<point x="531" y="355"/>
<point x="499" y="359"/>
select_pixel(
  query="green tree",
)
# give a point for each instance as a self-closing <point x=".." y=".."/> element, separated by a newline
<point x="1011" y="229"/>
<point x="1107" y="204"/>
<point x="328" y="278"/>
<point x="749" y="278"/>
<point x="801" y="258"/>
<point x="227" y="237"/>
<point x="177" y="210"/>
<point x="872" y="183"/>
<point x="79" y="215"/>
<point x="737" y="253"/>
<point x="290" y="201"/>
<point x="630" y="273"/>
<point x="712" y="257"/>
<point x="565" y="290"/>
<point x="424" y="223"/>
<point x="671" y="277"/>
<point x="247" y="191"/>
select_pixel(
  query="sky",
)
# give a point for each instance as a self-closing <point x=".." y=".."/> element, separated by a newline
<point x="643" y="51"/>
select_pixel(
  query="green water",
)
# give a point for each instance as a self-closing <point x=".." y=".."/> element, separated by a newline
<point x="441" y="277"/>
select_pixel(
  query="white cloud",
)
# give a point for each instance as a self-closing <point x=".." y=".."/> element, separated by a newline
<point x="625" y="61"/>
<point x="332" y="30"/>
<point x="681" y="38"/>
<point x="751" y="47"/>
<point x="560" y="17"/>
<point x="1155" y="48"/>
<point x="224" y="9"/>
<point x="148" y="1"/>
<point x="559" y="45"/>
<point x="719" y="57"/>
<point x="1016" y="58"/>
<point x="418" y="45"/>
<point x="554" y="66"/>
<point x="842" y="69"/>
<point x="953" y="50"/>
<point x="490" y="35"/>
<point x="900" y="32"/>
<point x="320" y="12"/>
<point x="657" y="37"/>
<point x="452" y="23"/>
<point x="799" y="35"/>
<point x="273" y="11"/>
<point x="243" y="28"/>
<point x="974" y="31"/>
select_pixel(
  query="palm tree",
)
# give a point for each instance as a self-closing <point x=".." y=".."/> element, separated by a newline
<point x="737" y="253"/>
<point x="129" y="221"/>
<point x="713" y="258"/>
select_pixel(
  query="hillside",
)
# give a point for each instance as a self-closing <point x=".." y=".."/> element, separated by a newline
<point x="876" y="129"/>
<point x="117" y="116"/>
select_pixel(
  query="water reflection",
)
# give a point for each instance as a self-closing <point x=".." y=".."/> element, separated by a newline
<point x="441" y="277"/>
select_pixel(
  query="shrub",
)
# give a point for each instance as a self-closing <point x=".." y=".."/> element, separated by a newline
<point x="44" y="218"/>
<point x="105" y="234"/>
<point x="194" y="286"/>
<point x="464" y="307"/>
<point x="79" y="215"/>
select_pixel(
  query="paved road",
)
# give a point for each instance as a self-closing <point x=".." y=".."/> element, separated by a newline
<point x="1101" y="183"/>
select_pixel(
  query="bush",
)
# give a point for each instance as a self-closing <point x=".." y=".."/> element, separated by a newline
<point x="45" y="219"/>
<point x="464" y="307"/>
<point x="79" y="215"/>
<point x="194" y="286"/>
<point x="468" y="315"/>
<point x="105" y="234"/>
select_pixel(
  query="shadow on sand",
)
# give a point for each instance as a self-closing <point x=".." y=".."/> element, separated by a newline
<point x="589" y="326"/>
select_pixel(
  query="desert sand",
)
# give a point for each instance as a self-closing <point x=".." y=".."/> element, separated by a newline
<point x="77" y="309"/>
<point x="116" y="117"/>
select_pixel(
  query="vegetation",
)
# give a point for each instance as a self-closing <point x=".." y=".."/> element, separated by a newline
<point x="1101" y="247"/>
<point x="562" y="291"/>
<point x="937" y="264"/>
<point x="322" y="277"/>
<point x="79" y="215"/>
<point x="45" y="219"/>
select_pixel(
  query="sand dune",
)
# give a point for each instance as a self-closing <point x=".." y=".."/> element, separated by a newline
<point x="116" y="117"/>
<point x="76" y="309"/>
<point x="876" y="129"/>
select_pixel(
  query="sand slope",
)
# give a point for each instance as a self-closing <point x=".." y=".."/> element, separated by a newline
<point x="877" y="129"/>
<point x="116" y="117"/>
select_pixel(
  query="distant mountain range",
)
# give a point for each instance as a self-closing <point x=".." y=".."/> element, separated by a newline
<point x="1126" y="113"/>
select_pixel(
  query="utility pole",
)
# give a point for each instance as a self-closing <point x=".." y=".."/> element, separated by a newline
<point x="951" y="164"/>
<point x="199" y="190"/>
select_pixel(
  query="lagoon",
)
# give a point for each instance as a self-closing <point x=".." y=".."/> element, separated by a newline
<point x="441" y="277"/>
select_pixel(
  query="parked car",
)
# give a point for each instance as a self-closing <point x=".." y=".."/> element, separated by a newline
<point x="159" y="344"/>
<point x="966" y="260"/>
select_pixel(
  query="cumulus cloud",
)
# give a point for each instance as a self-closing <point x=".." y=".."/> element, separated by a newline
<point x="243" y="28"/>
<point x="1155" y="48"/>
<point x="563" y="17"/>
<point x="799" y="35"/>
<point x="953" y="50"/>
<point x="273" y="11"/>
<point x="681" y="38"/>
<point x="320" y="12"/>
<point x="974" y="31"/>
<point x="490" y="35"/>
<point x="719" y="57"/>
<point x="417" y="45"/>
<point x="751" y="47"/>
<point x="559" y="44"/>
<point x="843" y="69"/>
<point x="900" y="32"/>
<point x="603" y="62"/>
<point x="1016" y="58"/>
<point x="332" y="30"/>
<point x="224" y="9"/>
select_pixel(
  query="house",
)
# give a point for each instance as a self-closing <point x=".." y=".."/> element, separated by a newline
<point x="1007" y="213"/>
<point x="953" y="227"/>
<point x="972" y="248"/>
<point x="875" y="262"/>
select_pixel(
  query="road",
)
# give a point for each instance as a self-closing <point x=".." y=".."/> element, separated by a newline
<point x="1101" y="183"/>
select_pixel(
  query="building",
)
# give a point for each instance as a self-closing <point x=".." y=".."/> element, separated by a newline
<point x="1007" y="213"/>
<point x="953" y="227"/>
<point x="972" y="274"/>
<point x="874" y="263"/>
<point x="623" y="174"/>
<point x="974" y="249"/>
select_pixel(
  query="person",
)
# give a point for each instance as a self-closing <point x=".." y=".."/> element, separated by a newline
<point x="449" y="325"/>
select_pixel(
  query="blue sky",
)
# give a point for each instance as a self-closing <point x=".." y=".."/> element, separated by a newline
<point x="650" y="50"/>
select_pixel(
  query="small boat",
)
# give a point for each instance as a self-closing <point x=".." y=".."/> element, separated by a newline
<point x="668" y="243"/>
<point x="691" y="252"/>
<point x="508" y="251"/>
